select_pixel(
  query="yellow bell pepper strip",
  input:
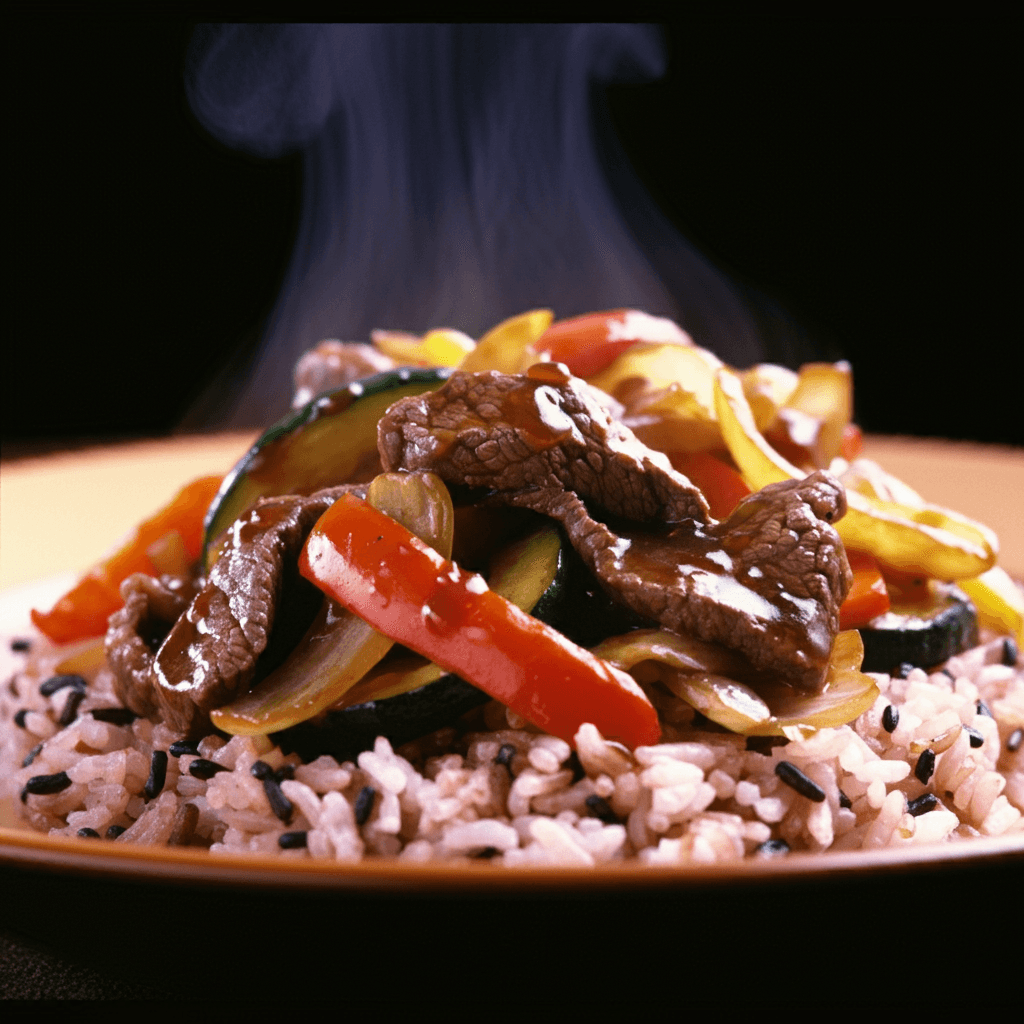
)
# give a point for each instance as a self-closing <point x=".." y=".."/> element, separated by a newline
<point x="340" y="648"/>
<point x="823" y="400"/>
<point x="376" y="568"/>
<point x="508" y="346"/>
<point x="442" y="346"/>
<point x="999" y="601"/>
<point x="935" y="541"/>
<point x="83" y="611"/>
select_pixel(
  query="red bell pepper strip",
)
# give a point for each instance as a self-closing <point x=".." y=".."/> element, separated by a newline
<point x="852" y="443"/>
<point x="587" y="344"/>
<point x="868" y="595"/>
<point x="722" y="485"/>
<point x="376" y="568"/>
<point x="83" y="611"/>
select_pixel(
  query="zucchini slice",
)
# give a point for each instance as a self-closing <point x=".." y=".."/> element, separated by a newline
<point x="331" y="440"/>
<point x="923" y="635"/>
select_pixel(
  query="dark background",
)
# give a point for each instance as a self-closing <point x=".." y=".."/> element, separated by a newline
<point x="857" y="171"/>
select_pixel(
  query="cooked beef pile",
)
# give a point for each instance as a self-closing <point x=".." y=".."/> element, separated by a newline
<point x="767" y="582"/>
<point x="208" y="648"/>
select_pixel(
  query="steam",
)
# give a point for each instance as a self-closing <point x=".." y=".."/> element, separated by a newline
<point x="454" y="175"/>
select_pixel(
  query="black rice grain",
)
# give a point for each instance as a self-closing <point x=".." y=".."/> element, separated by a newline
<point x="795" y="779"/>
<point x="286" y="771"/>
<point x="772" y="848"/>
<point x="203" y="769"/>
<point x="55" y="683"/>
<point x="114" y="716"/>
<point x="114" y="831"/>
<point x="922" y="805"/>
<point x="974" y="737"/>
<point x="364" y="804"/>
<point x="45" y="785"/>
<point x="20" y="644"/>
<point x="1014" y="740"/>
<point x="157" y="774"/>
<point x="279" y="803"/>
<point x="261" y="770"/>
<point x="19" y="717"/>
<point x="764" y="744"/>
<point x="31" y="755"/>
<point x="925" y="765"/>
<point x="505" y="754"/>
<point x="181" y="747"/>
<point x="292" y="840"/>
<point x="1010" y="651"/>
<point x="890" y="718"/>
<point x="601" y="809"/>
<point x="87" y="833"/>
<point x="70" y="710"/>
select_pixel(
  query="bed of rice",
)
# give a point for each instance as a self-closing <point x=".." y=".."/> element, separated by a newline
<point x="494" y="789"/>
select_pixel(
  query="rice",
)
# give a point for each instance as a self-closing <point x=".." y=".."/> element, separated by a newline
<point x="937" y="759"/>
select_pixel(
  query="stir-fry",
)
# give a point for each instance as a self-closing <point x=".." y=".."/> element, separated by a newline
<point x="594" y="523"/>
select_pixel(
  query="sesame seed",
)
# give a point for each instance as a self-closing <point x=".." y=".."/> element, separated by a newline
<point x="902" y="670"/>
<point x="292" y="840"/>
<point x="844" y="800"/>
<point x="984" y="709"/>
<point x="32" y="755"/>
<point x="20" y="644"/>
<point x="795" y="779"/>
<point x="181" y="747"/>
<point x="261" y="770"/>
<point x="19" y="717"/>
<point x="1014" y="740"/>
<point x="114" y="831"/>
<point x="890" y="718"/>
<point x="87" y="833"/>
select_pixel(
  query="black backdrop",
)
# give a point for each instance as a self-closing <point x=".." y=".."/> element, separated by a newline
<point x="858" y="171"/>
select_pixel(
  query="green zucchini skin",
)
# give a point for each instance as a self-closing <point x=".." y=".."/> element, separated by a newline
<point x="330" y="440"/>
<point x="921" y="637"/>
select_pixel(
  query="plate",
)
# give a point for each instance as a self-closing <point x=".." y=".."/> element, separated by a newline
<point x="571" y="920"/>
